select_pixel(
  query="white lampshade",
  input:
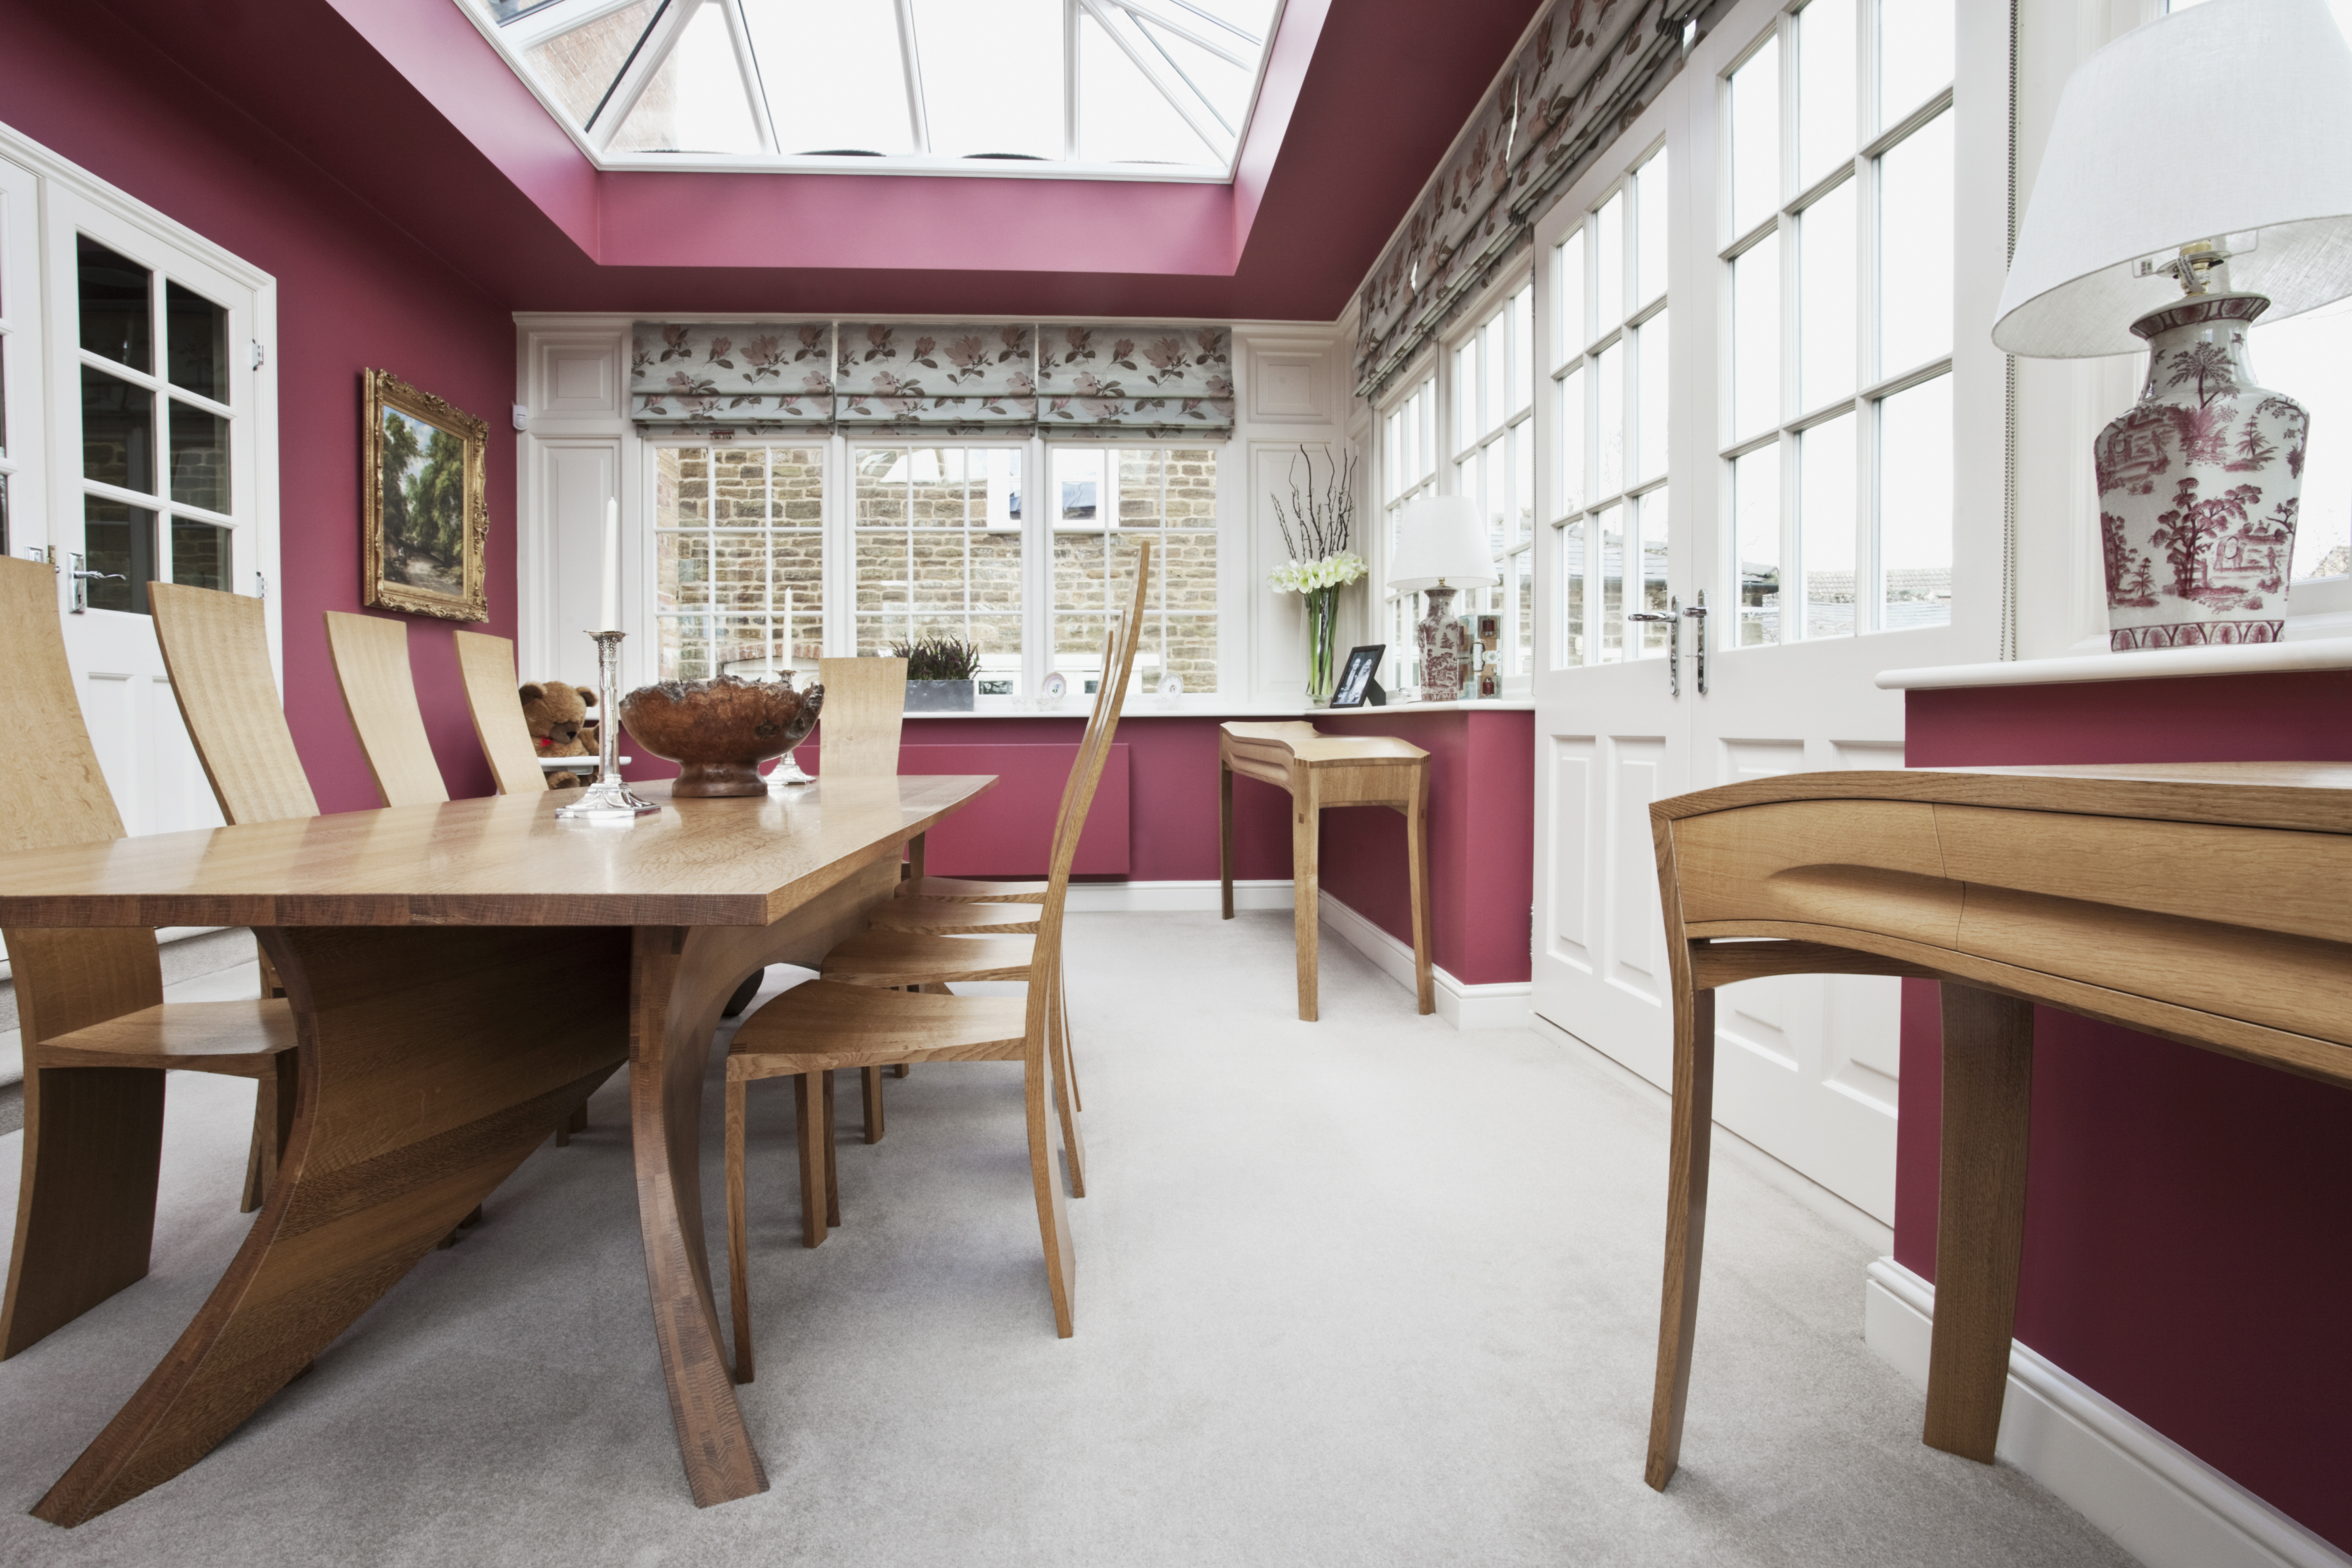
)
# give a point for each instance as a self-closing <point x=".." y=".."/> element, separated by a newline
<point x="2230" y="118"/>
<point x="1442" y="543"/>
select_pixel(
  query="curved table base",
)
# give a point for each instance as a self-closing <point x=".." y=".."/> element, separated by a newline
<point x="432" y="1060"/>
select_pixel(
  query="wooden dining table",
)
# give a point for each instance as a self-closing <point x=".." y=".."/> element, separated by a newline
<point x="463" y="976"/>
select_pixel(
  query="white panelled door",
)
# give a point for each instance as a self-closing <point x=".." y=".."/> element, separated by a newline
<point x="1802" y="524"/>
<point x="154" y="470"/>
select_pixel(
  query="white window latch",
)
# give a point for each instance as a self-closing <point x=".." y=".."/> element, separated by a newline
<point x="260" y="354"/>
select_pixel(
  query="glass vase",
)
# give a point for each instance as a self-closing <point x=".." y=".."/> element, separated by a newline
<point x="1322" y="637"/>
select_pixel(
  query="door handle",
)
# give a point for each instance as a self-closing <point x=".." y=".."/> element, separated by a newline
<point x="1671" y="617"/>
<point x="80" y="576"/>
<point x="1698" y="613"/>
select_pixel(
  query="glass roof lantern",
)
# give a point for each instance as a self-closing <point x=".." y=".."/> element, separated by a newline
<point x="1087" y="88"/>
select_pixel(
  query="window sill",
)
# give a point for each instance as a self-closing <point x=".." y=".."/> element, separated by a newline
<point x="2154" y="664"/>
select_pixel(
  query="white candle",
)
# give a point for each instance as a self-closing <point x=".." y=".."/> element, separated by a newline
<point x="609" y="620"/>
<point x="788" y="629"/>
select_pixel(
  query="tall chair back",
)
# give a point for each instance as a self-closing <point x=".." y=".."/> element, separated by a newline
<point x="371" y="656"/>
<point x="488" y="666"/>
<point x="217" y="651"/>
<point x="865" y="702"/>
<point x="57" y="794"/>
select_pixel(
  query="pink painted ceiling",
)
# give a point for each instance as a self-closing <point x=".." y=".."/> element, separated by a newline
<point x="405" y="104"/>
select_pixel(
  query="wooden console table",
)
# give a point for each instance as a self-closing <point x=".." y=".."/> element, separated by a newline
<point x="1320" y="770"/>
<point x="2204" y="902"/>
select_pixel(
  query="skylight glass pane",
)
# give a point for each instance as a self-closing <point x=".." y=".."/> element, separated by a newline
<point x="1224" y="85"/>
<point x="579" y="67"/>
<point x="985" y="91"/>
<point x="695" y="102"/>
<point x="1122" y="117"/>
<point x="833" y="76"/>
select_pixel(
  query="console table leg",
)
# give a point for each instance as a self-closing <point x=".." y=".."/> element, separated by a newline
<point x="1225" y="834"/>
<point x="1305" y="903"/>
<point x="1686" y="1163"/>
<point x="1980" y="1215"/>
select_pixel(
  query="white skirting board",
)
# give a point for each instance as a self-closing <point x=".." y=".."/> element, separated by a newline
<point x="2160" y="1502"/>
<point x="1509" y="1004"/>
<point x="1172" y="898"/>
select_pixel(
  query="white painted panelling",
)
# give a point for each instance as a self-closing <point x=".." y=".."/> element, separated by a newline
<point x="577" y="475"/>
<point x="1636" y="943"/>
<point x="1568" y="810"/>
<point x="1290" y="382"/>
<point x="1762" y="758"/>
<point x="579" y="376"/>
<point x="1868" y="754"/>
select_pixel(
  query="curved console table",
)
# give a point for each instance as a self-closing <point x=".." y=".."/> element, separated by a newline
<point x="2206" y="903"/>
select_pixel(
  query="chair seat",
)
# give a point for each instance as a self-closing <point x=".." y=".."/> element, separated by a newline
<point x="965" y="891"/>
<point x="822" y="1025"/>
<point x="240" y="1037"/>
<point x="945" y="917"/>
<point x="919" y="958"/>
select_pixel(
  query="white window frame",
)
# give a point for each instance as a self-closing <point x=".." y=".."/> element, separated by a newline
<point x="45" y="201"/>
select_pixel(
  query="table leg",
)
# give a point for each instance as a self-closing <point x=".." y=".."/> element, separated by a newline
<point x="679" y="981"/>
<point x="1687" y="1165"/>
<point x="431" y="1061"/>
<point x="1225" y="833"/>
<point x="1416" y="835"/>
<point x="1305" y="902"/>
<point x="1979" y="1216"/>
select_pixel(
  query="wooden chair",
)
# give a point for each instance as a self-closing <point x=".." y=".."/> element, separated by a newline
<point x="864" y="709"/>
<point x="826" y="1025"/>
<point x="486" y="663"/>
<point x="871" y="1012"/>
<point x="371" y="655"/>
<point x="98" y="1035"/>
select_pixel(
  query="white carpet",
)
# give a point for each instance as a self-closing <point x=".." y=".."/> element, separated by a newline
<point x="1361" y="1291"/>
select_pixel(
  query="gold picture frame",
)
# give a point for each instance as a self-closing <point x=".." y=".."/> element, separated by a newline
<point x="423" y="538"/>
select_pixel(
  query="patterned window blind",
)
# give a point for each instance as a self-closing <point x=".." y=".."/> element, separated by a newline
<point x="1068" y="382"/>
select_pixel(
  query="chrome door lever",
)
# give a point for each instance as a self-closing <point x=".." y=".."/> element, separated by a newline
<point x="1698" y="613"/>
<point x="80" y="576"/>
<point x="1672" y="615"/>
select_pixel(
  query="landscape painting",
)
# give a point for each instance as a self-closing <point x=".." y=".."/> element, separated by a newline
<point x="424" y="508"/>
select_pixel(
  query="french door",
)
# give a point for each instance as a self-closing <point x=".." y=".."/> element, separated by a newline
<point x="136" y="448"/>
<point x="1751" y="458"/>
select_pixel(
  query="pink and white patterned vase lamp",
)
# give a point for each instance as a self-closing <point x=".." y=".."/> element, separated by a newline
<point x="1442" y="546"/>
<point x="2145" y="229"/>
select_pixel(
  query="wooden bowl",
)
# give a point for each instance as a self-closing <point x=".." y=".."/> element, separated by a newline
<point x="719" y="731"/>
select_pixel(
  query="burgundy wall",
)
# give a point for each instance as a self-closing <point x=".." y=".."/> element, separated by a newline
<point x="353" y="291"/>
<point x="1480" y="818"/>
<point x="2187" y="1250"/>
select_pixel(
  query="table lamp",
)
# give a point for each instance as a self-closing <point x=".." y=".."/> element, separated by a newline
<point x="1440" y="547"/>
<point x="2198" y="174"/>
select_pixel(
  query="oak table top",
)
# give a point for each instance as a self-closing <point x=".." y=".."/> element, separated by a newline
<point x="506" y="860"/>
<point x="529" y="958"/>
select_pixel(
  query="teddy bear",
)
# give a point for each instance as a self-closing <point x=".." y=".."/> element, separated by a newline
<point x="556" y="714"/>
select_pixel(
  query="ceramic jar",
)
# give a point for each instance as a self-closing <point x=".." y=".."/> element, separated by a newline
<point x="2199" y="485"/>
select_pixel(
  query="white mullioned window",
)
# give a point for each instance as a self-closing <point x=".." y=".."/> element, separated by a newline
<point x="1492" y="392"/>
<point x="1835" y="216"/>
<point x="1408" y="469"/>
<point x="739" y="550"/>
<point x="1612" y="523"/>
<point x="1105" y="498"/>
<point x="939" y="549"/>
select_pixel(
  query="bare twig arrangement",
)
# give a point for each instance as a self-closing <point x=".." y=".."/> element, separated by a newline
<point x="1325" y="519"/>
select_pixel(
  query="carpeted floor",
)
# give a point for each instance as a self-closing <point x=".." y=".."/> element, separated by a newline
<point x="1361" y="1291"/>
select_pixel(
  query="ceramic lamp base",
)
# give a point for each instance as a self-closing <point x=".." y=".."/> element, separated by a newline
<point x="1439" y="639"/>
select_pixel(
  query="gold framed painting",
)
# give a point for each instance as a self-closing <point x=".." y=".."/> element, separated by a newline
<point x="424" y="516"/>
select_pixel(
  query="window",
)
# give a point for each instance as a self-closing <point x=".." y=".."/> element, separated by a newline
<point x="938" y="532"/>
<point x="1105" y="498"/>
<point x="1837" y="426"/>
<point x="946" y="86"/>
<point x="1408" y="469"/>
<point x="1610" y="360"/>
<point x="1493" y="461"/>
<point x="155" y="475"/>
<point x="738" y="546"/>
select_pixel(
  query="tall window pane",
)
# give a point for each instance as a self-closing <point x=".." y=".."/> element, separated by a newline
<point x="1825" y="89"/>
<point x="1609" y="403"/>
<point x="1574" y="630"/>
<point x="1915" y="505"/>
<point x="1650" y="246"/>
<point x="1756" y="137"/>
<point x="1915" y="55"/>
<point x="939" y="549"/>
<point x="1656" y="589"/>
<point x="1756" y="545"/>
<point x="1609" y="526"/>
<point x="739" y="552"/>
<point x="1569" y="446"/>
<point x="1825" y="300"/>
<point x="1914" y="249"/>
<point x="1609" y="263"/>
<point x="1756" y="339"/>
<point x="1652" y="372"/>
<point x="1825" y="516"/>
<point x="1569" y="315"/>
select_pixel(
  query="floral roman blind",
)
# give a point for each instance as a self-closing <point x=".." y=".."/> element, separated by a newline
<point x="755" y="377"/>
<point x="1587" y="67"/>
<point x="890" y="378"/>
<point x="897" y="378"/>
<point x="1113" y="380"/>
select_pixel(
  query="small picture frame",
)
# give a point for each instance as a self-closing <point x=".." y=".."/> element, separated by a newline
<point x="1357" y="686"/>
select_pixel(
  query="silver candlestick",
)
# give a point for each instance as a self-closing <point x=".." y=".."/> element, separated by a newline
<point x="608" y="799"/>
